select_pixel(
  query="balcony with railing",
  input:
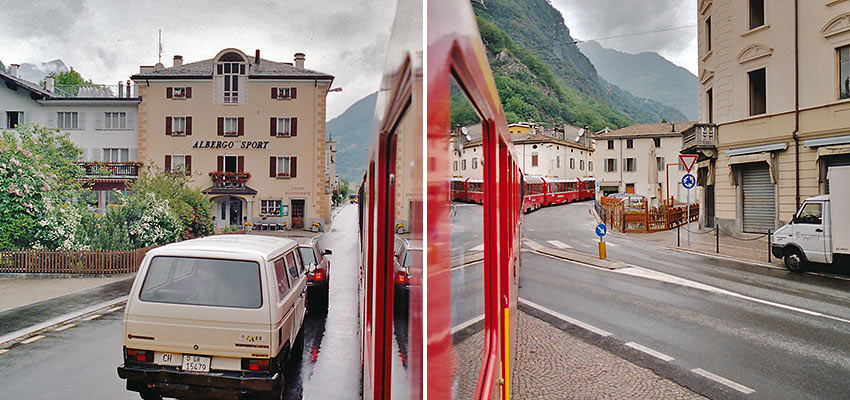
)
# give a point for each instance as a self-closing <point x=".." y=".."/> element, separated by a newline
<point x="101" y="170"/>
<point x="228" y="182"/>
<point x="701" y="138"/>
<point x="92" y="91"/>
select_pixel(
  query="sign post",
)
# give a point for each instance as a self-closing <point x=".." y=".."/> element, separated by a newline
<point x="688" y="181"/>
<point x="601" y="229"/>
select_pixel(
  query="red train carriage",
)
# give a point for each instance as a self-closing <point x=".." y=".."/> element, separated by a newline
<point x="391" y="330"/>
<point x="459" y="189"/>
<point x="475" y="191"/>
<point x="561" y="190"/>
<point x="457" y="66"/>
<point x="587" y="189"/>
<point x="535" y="193"/>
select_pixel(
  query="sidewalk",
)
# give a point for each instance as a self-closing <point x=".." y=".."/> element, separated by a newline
<point x="16" y="292"/>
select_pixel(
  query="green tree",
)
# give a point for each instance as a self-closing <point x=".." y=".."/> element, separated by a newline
<point x="192" y="208"/>
<point x="68" y="82"/>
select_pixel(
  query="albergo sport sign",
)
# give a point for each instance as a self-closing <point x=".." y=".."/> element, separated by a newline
<point x="230" y="144"/>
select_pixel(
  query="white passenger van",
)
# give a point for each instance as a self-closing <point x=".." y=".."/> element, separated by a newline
<point x="215" y="317"/>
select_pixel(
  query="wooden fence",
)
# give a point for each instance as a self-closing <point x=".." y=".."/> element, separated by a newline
<point x="641" y="218"/>
<point x="71" y="262"/>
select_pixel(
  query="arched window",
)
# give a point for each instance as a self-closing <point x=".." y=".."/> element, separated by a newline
<point x="231" y="65"/>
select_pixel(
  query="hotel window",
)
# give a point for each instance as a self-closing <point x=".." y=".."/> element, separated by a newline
<point x="270" y="207"/>
<point x="756" y="13"/>
<point x="533" y="159"/>
<point x="13" y="118"/>
<point x="180" y="92"/>
<point x="660" y="162"/>
<point x="843" y="54"/>
<point x="178" y="126"/>
<point x="67" y="120"/>
<point x="630" y="164"/>
<point x="231" y="164"/>
<point x="231" y="126"/>
<point x="657" y="142"/>
<point x="284" y="93"/>
<point x="116" y="155"/>
<point x="758" y="92"/>
<point x="610" y="165"/>
<point x="284" y="169"/>
<point x="284" y="126"/>
<point x="231" y="72"/>
<point x="630" y="143"/>
<point x="115" y="120"/>
<point x="178" y="163"/>
<point x="610" y="145"/>
<point x="708" y="34"/>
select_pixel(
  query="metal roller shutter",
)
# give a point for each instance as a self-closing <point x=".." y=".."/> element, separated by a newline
<point x="759" y="198"/>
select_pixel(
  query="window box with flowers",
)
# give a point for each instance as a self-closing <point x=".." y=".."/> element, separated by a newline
<point x="283" y="175"/>
<point x="230" y="178"/>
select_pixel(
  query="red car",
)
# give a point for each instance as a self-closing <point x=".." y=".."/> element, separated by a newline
<point x="318" y="270"/>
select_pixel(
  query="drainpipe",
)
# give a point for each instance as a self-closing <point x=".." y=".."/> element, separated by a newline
<point x="796" y="106"/>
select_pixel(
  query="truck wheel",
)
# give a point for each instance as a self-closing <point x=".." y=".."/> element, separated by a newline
<point x="795" y="261"/>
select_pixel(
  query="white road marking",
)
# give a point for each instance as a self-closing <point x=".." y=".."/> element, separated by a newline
<point x="91" y="317"/>
<point x="662" y="277"/>
<point x="480" y="247"/>
<point x="63" y="327"/>
<point x="32" y="339"/>
<point x="534" y="245"/>
<point x="649" y="351"/>
<point x="113" y="309"/>
<point x="611" y="244"/>
<point x="3" y="351"/>
<point x="719" y="379"/>
<point x="559" y="244"/>
<point x="598" y="331"/>
<point x="467" y="323"/>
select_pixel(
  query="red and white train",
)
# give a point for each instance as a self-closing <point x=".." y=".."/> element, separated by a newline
<point x="539" y="191"/>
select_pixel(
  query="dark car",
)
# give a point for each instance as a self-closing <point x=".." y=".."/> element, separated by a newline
<point x="318" y="270"/>
<point x="404" y="256"/>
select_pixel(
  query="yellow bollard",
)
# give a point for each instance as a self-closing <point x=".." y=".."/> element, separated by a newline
<point x="601" y="250"/>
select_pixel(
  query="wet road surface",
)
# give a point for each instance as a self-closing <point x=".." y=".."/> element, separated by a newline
<point x="80" y="362"/>
<point x="781" y="335"/>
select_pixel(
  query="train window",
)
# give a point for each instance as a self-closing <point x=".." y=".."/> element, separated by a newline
<point x="467" y="254"/>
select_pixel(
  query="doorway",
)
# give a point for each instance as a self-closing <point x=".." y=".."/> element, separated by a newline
<point x="298" y="214"/>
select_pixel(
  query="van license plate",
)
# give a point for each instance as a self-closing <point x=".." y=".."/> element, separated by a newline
<point x="196" y="363"/>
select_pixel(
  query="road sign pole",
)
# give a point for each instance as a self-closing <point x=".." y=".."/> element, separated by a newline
<point x="688" y="220"/>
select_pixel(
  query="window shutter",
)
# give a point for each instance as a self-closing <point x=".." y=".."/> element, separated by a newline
<point x="240" y="163"/>
<point x="273" y="126"/>
<point x="241" y="126"/>
<point x="220" y="163"/>
<point x="293" y="164"/>
<point x="188" y="126"/>
<point x="293" y="126"/>
<point x="168" y="126"/>
<point x="293" y="93"/>
<point x="188" y="165"/>
<point x="189" y="92"/>
<point x="274" y="92"/>
<point x="169" y="92"/>
<point x="167" y="163"/>
<point x="272" y="166"/>
<point x="220" y="128"/>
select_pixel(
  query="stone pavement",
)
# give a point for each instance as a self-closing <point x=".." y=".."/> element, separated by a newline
<point x="19" y="291"/>
<point x="553" y="364"/>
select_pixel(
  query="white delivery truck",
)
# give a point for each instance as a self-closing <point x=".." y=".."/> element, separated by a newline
<point x="820" y="230"/>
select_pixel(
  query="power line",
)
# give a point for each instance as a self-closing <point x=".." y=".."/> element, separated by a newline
<point x="635" y="34"/>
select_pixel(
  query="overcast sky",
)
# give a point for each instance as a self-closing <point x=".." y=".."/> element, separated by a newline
<point x="107" y="41"/>
<point x="594" y="19"/>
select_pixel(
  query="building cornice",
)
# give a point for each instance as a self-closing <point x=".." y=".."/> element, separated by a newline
<point x="754" y="52"/>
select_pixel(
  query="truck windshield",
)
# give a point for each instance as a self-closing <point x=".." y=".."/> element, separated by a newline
<point x="810" y="214"/>
<point x="203" y="282"/>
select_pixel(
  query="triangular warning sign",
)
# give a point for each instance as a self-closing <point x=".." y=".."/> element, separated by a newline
<point x="688" y="160"/>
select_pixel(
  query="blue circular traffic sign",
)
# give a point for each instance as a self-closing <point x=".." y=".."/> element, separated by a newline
<point x="601" y="230"/>
<point x="688" y="181"/>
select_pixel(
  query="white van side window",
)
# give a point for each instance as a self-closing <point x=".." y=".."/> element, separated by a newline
<point x="301" y="268"/>
<point x="291" y="264"/>
<point x="280" y="273"/>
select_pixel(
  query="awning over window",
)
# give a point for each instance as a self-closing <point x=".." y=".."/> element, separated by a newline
<point x="756" y="149"/>
<point x="229" y="190"/>
<point x="829" y="141"/>
<point x="752" y="158"/>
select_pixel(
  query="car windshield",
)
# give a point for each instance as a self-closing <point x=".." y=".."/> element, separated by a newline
<point x="307" y="255"/>
<point x="203" y="282"/>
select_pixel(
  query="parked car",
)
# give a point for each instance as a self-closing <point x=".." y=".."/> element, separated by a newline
<point x="352" y="198"/>
<point x="214" y="316"/>
<point x="318" y="270"/>
<point x="631" y="200"/>
<point x="404" y="256"/>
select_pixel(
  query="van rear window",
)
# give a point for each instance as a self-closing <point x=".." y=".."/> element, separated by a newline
<point x="203" y="282"/>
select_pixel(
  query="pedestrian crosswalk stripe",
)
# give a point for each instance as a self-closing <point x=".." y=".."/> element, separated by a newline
<point x="62" y="328"/>
<point x="534" y="245"/>
<point x="32" y="339"/>
<point x="559" y="244"/>
<point x="91" y="317"/>
<point x="480" y="247"/>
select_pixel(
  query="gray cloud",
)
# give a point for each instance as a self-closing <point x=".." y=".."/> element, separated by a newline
<point x="593" y="19"/>
<point x="107" y="41"/>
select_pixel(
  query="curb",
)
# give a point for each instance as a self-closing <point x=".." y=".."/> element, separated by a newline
<point x="10" y="337"/>
<point x="584" y="258"/>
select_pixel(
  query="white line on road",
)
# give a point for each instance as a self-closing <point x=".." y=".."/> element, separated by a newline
<point x="467" y="324"/>
<point x="91" y="317"/>
<point x="649" y="351"/>
<point x="534" y="245"/>
<point x="719" y="379"/>
<point x="611" y="244"/>
<point x="33" y="339"/>
<point x="58" y="320"/>
<point x="559" y="244"/>
<point x="598" y="331"/>
<point x="64" y="327"/>
<point x="113" y="309"/>
<point x="480" y="247"/>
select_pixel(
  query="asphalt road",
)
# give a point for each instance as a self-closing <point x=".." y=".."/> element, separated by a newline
<point x="80" y="362"/>
<point x="777" y="334"/>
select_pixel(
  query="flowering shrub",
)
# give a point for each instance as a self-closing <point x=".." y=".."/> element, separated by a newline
<point x="138" y="220"/>
<point x="190" y="206"/>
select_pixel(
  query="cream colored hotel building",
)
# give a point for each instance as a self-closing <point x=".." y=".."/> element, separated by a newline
<point x="249" y="131"/>
<point x="774" y="106"/>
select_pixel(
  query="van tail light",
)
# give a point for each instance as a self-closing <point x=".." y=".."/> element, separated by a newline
<point x="138" y="355"/>
<point x="401" y="277"/>
<point x="319" y="275"/>
<point x="255" y="364"/>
